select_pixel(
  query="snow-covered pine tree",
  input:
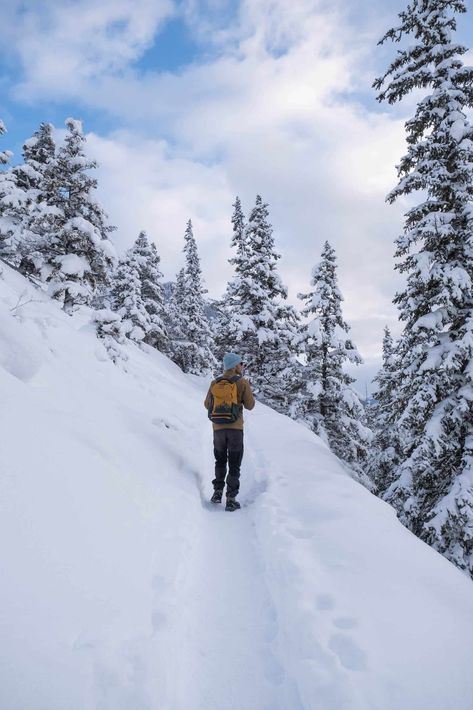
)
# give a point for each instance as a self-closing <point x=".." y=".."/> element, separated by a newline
<point x="384" y="451"/>
<point x="111" y="331"/>
<point x="77" y="253"/>
<point x="226" y="337"/>
<point x="152" y="292"/>
<point x="11" y="202"/>
<point x="192" y="338"/>
<point x="433" y="486"/>
<point x="328" y="401"/>
<point x="127" y="299"/>
<point x="262" y="326"/>
<point x="38" y="154"/>
<point x="284" y="386"/>
<point x="258" y="289"/>
<point x="175" y="319"/>
<point x="238" y="237"/>
<point x="308" y="406"/>
<point x="33" y="177"/>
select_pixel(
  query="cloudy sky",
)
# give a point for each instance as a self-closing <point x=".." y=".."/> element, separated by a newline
<point x="187" y="103"/>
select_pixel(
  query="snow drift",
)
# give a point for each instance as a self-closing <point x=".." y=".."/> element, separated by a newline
<point x="123" y="590"/>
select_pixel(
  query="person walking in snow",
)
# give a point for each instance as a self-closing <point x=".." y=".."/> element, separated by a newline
<point x="225" y="400"/>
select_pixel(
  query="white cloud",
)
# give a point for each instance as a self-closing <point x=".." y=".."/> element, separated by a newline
<point x="63" y="45"/>
<point x="144" y="186"/>
<point x="272" y="113"/>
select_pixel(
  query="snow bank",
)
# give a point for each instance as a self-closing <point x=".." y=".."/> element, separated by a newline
<point x="122" y="589"/>
<point x="370" y="617"/>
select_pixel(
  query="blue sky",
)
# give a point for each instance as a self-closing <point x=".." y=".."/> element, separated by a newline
<point x="187" y="103"/>
<point x="173" y="46"/>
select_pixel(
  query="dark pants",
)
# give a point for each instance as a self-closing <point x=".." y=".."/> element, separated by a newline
<point x="228" y="446"/>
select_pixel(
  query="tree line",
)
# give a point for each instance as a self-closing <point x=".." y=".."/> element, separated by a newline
<point x="55" y="232"/>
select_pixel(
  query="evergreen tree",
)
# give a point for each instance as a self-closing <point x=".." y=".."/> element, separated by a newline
<point x="38" y="154"/>
<point x="33" y="177"/>
<point x="433" y="489"/>
<point x="328" y="402"/>
<point x="175" y="320"/>
<point x="13" y="208"/>
<point x="284" y="384"/>
<point x="111" y="331"/>
<point x="239" y="231"/>
<point x="226" y="336"/>
<point x="260" y="323"/>
<point x="385" y="451"/>
<point x="11" y="199"/>
<point x="192" y="338"/>
<point x="127" y="300"/>
<point x="76" y="250"/>
<point x="152" y="292"/>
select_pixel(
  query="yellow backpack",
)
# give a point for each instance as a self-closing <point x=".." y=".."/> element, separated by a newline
<point x="224" y="407"/>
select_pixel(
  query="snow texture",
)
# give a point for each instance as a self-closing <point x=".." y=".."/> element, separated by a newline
<point x="122" y="589"/>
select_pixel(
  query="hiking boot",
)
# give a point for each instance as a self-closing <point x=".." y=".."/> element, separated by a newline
<point x="232" y="504"/>
<point x="217" y="497"/>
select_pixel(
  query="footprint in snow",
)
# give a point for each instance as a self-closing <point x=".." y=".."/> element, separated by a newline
<point x="162" y="593"/>
<point x="158" y="621"/>
<point x="255" y="492"/>
<point x="273" y="670"/>
<point x="325" y="602"/>
<point x="84" y="642"/>
<point x="300" y="534"/>
<point x="345" y="622"/>
<point x="349" y="654"/>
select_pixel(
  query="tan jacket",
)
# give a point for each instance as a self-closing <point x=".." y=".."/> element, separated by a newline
<point x="245" y="398"/>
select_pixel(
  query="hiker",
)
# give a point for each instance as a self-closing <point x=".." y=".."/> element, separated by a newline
<point x="227" y="396"/>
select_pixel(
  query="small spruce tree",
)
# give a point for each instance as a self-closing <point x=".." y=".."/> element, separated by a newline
<point x="11" y="204"/>
<point x="260" y="323"/>
<point x="77" y="253"/>
<point x="328" y="401"/>
<point x="385" y="450"/>
<point x="192" y="336"/>
<point x="152" y="291"/>
<point x="226" y="336"/>
<point x="33" y="177"/>
<point x="127" y="300"/>
<point x="111" y="331"/>
<point x="175" y="320"/>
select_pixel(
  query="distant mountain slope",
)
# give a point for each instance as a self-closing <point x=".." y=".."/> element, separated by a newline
<point x="122" y="589"/>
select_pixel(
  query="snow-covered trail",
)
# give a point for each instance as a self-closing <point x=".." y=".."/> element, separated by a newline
<point x="274" y="611"/>
<point x="233" y="649"/>
<point x="228" y="653"/>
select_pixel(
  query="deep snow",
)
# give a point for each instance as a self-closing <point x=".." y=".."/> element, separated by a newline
<point x="123" y="589"/>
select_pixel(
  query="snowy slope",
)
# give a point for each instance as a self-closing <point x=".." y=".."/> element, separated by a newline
<point x="121" y="589"/>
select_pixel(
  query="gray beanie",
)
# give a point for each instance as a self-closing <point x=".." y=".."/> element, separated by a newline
<point x="231" y="360"/>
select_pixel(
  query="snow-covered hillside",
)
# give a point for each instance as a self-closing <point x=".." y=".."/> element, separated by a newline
<point x="121" y="589"/>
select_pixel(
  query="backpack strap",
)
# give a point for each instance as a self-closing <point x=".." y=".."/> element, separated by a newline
<point x="232" y="379"/>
